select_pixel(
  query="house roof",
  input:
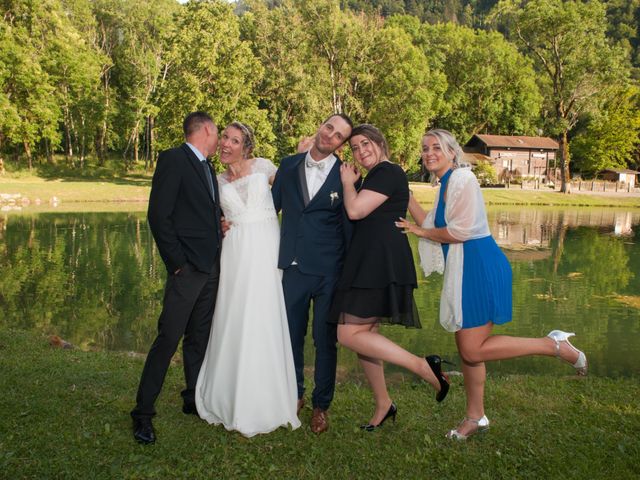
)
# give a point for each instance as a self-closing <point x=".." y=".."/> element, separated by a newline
<point x="516" y="141"/>
<point x="474" y="158"/>
<point x="621" y="170"/>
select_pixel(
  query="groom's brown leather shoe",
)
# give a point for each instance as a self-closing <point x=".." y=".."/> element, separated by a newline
<point x="319" y="421"/>
<point x="300" y="405"/>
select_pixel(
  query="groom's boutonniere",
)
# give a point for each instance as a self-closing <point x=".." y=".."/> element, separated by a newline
<point x="333" y="196"/>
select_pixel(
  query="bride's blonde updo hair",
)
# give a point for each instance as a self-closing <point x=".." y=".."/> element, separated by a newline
<point x="449" y="144"/>
<point x="248" y="142"/>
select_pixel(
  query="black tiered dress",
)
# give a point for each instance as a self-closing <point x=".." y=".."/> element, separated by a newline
<point x="379" y="275"/>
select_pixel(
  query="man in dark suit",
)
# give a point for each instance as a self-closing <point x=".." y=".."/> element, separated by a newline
<point x="313" y="238"/>
<point x="184" y="216"/>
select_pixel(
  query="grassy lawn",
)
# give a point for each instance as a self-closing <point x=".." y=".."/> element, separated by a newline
<point x="65" y="415"/>
<point x="100" y="190"/>
<point x="125" y="189"/>
<point x="425" y="194"/>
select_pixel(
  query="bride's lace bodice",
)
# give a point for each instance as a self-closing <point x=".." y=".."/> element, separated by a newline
<point x="248" y="199"/>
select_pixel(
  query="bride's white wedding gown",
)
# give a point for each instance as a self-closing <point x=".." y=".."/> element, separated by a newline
<point x="247" y="381"/>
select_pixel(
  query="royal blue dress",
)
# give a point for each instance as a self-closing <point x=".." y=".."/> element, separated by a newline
<point x="486" y="275"/>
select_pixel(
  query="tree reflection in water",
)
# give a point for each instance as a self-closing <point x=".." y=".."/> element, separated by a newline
<point x="96" y="280"/>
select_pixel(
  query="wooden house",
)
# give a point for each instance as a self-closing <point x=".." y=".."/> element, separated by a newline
<point x="517" y="156"/>
<point x="621" y="175"/>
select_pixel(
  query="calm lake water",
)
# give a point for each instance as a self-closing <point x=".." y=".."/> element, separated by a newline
<point x="96" y="280"/>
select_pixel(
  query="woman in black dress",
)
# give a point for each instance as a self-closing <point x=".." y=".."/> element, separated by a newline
<point x="379" y="276"/>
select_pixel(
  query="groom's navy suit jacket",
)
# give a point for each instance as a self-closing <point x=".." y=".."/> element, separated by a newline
<point x="183" y="214"/>
<point x="314" y="233"/>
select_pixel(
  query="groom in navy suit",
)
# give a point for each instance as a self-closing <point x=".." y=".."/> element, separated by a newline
<point x="314" y="234"/>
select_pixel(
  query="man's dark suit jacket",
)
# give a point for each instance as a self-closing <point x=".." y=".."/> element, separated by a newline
<point x="183" y="215"/>
<point x="313" y="232"/>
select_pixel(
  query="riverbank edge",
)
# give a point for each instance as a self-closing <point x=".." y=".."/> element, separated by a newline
<point x="41" y="195"/>
<point x="66" y="416"/>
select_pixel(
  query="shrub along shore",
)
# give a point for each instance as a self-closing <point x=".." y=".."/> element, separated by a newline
<point x="32" y="193"/>
<point x="65" y="415"/>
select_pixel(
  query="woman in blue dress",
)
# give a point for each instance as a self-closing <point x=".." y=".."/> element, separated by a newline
<point x="476" y="293"/>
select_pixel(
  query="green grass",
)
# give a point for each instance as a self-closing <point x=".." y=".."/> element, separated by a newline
<point x="65" y="415"/>
<point x="92" y="185"/>
<point x="106" y="188"/>
<point x="425" y="194"/>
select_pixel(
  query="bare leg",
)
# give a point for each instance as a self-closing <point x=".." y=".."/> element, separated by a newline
<point x="374" y="371"/>
<point x="362" y="340"/>
<point x="480" y="346"/>
<point x="475" y="375"/>
<point x="477" y="345"/>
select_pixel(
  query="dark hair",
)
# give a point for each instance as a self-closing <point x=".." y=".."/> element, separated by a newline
<point x="343" y="116"/>
<point x="194" y="121"/>
<point x="248" y="142"/>
<point x="373" y="134"/>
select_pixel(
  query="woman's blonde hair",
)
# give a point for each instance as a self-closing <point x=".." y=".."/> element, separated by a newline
<point x="448" y="143"/>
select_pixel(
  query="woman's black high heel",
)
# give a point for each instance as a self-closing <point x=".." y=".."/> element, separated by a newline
<point x="435" y="362"/>
<point x="393" y="410"/>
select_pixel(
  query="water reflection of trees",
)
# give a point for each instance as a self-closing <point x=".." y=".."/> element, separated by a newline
<point x="94" y="279"/>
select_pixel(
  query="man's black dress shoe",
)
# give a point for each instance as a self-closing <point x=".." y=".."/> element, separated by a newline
<point x="189" y="409"/>
<point x="143" y="431"/>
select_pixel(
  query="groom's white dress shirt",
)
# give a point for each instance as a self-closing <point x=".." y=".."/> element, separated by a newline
<point x="316" y="176"/>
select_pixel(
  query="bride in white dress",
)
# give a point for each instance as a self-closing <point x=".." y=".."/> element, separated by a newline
<point x="247" y="381"/>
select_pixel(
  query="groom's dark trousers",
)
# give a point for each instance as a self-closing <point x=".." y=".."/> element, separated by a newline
<point x="184" y="217"/>
<point x="299" y="289"/>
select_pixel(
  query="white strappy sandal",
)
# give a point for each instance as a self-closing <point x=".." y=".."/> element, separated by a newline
<point x="482" y="423"/>
<point x="560" y="336"/>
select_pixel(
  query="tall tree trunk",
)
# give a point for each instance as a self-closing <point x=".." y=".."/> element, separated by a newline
<point x="82" y="142"/>
<point x="101" y="140"/>
<point x="68" y="150"/>
<point x="152" y="143"/>
<point x="147" y="143"/>
<point x="136" y="145"/>
<point x="27" y="151"/>
<point x="565" y="175"/>
<point x="48" y="151"/>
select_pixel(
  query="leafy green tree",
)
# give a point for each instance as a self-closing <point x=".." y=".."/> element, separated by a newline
<point x="290" y="90"/>
<point x="576" y="62"/>
<point x="108" y="21"/>
<point x="399" y="91"/>
<point x="30" y="110"/>
<point x="320" y="59"/>
<point x="208" y="67"/>
<point x="490" y="85"/>
<point x="74" y="68"/>
<point x="612" y="137"/>
<point x="139" y="58"/>
<point x="486" y="173"/>
<point x="624" y="28"/>
<point x="337" y="39"/>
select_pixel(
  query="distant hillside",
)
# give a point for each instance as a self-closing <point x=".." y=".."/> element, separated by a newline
<point x="624" y="16"/>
